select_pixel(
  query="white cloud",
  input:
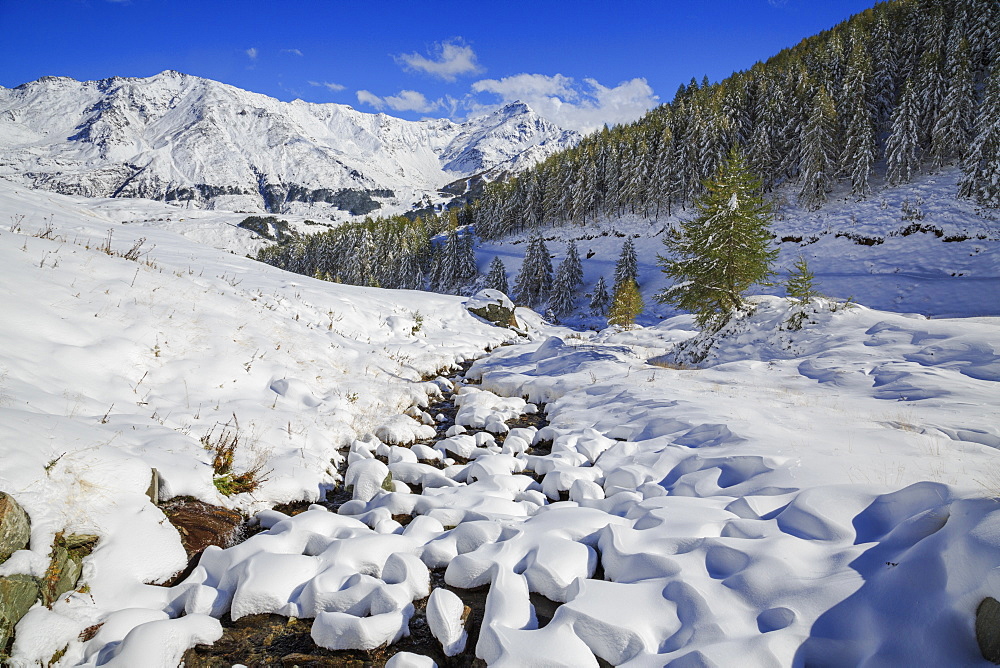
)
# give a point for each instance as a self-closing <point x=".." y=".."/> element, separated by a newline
<point x="294" y="52"/>
<point x="252" y="53"/>
<point x="334" y="87"/>
<point x="371" y="99"/>
<point x="405" y="100"/>
<point x="568" y="104"/>
<point x="450" y="59"/>
<point x="411" y="100"/>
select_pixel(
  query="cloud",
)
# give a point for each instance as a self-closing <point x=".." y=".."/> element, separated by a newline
<point x="582" y="106"/>
<point x="334" y="87"/>
<point x="294" y="52"/>
<point x="371" y="99"/>
<point x="448" y="60"/>
<point x="252" y="53"/>
<point x="411" y="100"/>
<point x="405" y="100"/>
<point x="777" y="3"/>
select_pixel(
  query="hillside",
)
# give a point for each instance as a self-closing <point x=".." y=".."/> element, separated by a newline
<point x="619" y="506"/>
<point x="201" y="143"/>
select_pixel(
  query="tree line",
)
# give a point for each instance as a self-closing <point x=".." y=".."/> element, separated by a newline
<point x="911" y="84"/>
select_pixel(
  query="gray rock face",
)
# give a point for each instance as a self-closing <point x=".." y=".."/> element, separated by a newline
<point x="494" y="306"/>
<point x="988" y="629"/>
<point x="15" y="529"/>
<point x="17" y="594"/>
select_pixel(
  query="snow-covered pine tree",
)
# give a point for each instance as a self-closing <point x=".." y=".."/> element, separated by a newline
<point x="574" y="269"/>
<point x="953" y="128"/>
<point x="981" y="167"/>
<point x="599" y="299"/>
<point x="625" y="305"/>
<point x="627" y="267"/>
<point x="567" y="281"/>
<point x="858" y="156"/>
<point x="818" y="151"/>
<point x="725" y="249"/>
<point x="902" y="149"/>
<point x="531" y="288"/>
<point x="496" y="276"/>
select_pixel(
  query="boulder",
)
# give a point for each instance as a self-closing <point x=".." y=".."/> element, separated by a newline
<point x="493" y="306"/>
<point x="988" y="629"/>
<point x="17" y="594"/>
<point x="15" y="528"/>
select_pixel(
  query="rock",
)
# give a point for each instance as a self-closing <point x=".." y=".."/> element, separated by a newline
<point x="17" y="594"/>
<point x="15" y="528"/>
<point x="494" y="306"/>
<point x="988" y="629"/>
<point x="153" y="492"/>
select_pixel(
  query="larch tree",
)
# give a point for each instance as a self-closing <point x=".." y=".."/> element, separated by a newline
<point x="725" y="249"/>
<point x="626" y="304"/>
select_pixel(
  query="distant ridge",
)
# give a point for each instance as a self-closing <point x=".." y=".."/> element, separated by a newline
<point x="191" y="140"/>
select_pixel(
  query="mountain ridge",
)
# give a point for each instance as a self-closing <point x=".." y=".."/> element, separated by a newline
<point x="182" y="138"/>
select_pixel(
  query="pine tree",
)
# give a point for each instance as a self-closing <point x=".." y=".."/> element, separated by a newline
<point x="859" y="146"/>
<point x="626" y="305"/>
<point x="981" y="180"/>
<point x="801" y="282"/>
<point x="496" y="276"/>
<point x="627" y="267"/>
<point x="724" y="249"/>
<point x="599" y="300"/>
<point x="574" y="270"/>
<point x="534" y="281"/>
<point x="902" y="149"/>
<point x="953" y="129"/>
<point x="567" y="281"/>
<point x="818" y="151"/>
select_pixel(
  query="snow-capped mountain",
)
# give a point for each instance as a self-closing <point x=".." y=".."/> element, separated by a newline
<point x="182" y="138"/>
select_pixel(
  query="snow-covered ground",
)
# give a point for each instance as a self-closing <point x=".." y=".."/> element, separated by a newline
<point x="817" y="496"/>
<point x="952" y="269"/>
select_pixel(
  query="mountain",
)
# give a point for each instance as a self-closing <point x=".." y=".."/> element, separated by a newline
<point x="181" y="138"/>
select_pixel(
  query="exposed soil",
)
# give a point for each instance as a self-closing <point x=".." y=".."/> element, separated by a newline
<point x="201" y="524"/>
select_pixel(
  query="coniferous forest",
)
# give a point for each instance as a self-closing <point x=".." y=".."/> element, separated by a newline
<point x="906" y="87"/>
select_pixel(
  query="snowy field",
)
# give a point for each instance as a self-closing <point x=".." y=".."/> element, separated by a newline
<point x="951" y="269"/>
<point x="823" y="496"/>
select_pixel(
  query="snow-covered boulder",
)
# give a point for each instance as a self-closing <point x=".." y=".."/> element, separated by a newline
<point x="494" y="306"/>
<point x="445" y="616"/>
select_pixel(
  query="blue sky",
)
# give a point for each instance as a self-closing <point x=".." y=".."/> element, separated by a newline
<point x="580" y="63"/>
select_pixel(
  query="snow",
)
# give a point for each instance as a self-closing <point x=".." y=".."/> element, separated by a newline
<point x="816" y="495"/>
<point x="147" y="137"/>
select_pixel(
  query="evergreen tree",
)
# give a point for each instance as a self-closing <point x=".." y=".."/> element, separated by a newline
<point x="724" y="249"/>
<point x="599" y="300"/>
<point x="859" y="146"/>
<point x="902" y="148"/>
<point x="496" y="276"/>
<point x="627" y="267"/>
<point x="626" y="305"/>
<point x="534" y="281"/>
<point x="567" y="281"/>
<point x="574" y="270"/>
<point x="981" y="180"/>
<point x="953" y="129"/>
<point x="818" y="151"/>
<point x="801" y="282"/>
